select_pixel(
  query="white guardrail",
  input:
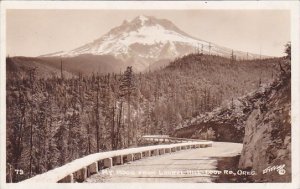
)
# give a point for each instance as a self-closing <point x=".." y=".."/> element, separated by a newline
<point x="167" y="138"/>
<point x="79" y="169"/>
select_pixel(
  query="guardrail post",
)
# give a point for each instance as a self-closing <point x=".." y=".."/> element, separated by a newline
<point x="118" y="160"/>
<point x="92" y="169"/>
<point x="107" y="162"/>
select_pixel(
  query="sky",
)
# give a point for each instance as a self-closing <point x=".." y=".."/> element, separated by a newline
<point x="38" y="32"/>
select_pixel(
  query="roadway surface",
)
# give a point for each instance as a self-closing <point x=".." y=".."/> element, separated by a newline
<point x="192" y="165"/>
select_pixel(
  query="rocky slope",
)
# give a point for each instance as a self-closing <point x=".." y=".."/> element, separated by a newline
<point x="267" y="140"/>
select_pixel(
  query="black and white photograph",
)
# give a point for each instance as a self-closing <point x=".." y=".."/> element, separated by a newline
<point x="133" y="92"/>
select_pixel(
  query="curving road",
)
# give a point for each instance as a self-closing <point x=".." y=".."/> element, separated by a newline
<point x="193" y="165"/>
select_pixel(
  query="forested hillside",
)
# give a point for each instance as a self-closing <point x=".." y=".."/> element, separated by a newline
<point x="53" y="120"/>
<point x="227" y="122"/>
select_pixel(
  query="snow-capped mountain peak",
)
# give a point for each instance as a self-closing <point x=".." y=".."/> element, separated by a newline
<point x="142" y="30"/>
<point x="145" y="40"/>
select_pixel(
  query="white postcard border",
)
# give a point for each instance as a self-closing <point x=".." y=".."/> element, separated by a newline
<point x="293" y="6"/>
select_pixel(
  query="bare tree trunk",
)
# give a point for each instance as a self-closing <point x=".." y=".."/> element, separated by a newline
<point x="10" y="174"/>
<point x="119" y="125"/>
<point x="31" y="143"/>
<point x="19" y="149"/>
<point x="89" y="140"/>
<point x="97" y="119"/>
<point x="129" y="130"/>
<point x="113" y="134"/>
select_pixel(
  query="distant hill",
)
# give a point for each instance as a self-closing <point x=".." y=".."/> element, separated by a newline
<point x="50" y="66"/>
<point x="88" y="63"/>
<point x="19" y="67"/>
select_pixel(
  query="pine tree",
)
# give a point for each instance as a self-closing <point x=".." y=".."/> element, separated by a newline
<point x="127" y="91"/>
<point x="288" y="50"/>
